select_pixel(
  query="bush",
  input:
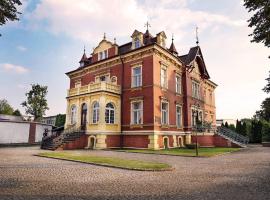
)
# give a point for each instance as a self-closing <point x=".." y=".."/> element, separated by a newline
<point x="192" y="146"/>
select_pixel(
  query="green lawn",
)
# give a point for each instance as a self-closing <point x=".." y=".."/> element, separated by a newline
<point x="109" y="161"/>
<point x="203" y="152"/>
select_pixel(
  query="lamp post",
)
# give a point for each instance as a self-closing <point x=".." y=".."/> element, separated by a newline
<point x="196" y="114"/>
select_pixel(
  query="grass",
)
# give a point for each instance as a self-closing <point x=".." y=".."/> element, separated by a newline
<point x="109" y="161"/>
<point x="203" y="152"/>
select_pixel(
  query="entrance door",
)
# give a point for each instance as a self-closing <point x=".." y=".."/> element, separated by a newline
<point x="92" y="143"/>
<point x="166" y="143"/>
<point x="84" y="116"/>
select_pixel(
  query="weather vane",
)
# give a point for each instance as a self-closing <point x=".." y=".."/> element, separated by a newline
<point x="147" y="25"/>
<point x="197" y="37"/>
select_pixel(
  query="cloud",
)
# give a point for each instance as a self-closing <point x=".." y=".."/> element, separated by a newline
<point x="21" y="48"/>
<point x="88" y="19"/>
<point x="14" y="68"/>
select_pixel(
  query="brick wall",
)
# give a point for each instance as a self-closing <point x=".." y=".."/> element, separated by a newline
<point x="137" y="141"/>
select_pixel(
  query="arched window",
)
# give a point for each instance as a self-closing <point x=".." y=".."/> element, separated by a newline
<point x="109" y="113"/>
<point x="73" y="114"/>
<point x="95" y="112"/>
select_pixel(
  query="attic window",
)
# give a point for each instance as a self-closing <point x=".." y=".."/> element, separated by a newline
<point x="103" y="54"/>
<point x="137" y="43"/>
<point x="81" y="64"/>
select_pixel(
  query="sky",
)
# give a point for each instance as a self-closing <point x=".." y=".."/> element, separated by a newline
<point x="50" y="36"/>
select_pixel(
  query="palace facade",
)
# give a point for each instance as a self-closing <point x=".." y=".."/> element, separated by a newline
<point x="140" y="94"/>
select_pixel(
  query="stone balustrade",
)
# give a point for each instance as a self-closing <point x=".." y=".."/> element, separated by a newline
<point x="94" y="87"/>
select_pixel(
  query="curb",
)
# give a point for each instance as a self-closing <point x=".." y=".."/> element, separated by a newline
<point x="110" y="166"/>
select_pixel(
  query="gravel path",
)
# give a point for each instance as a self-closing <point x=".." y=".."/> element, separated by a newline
<point x="239" y="175"/>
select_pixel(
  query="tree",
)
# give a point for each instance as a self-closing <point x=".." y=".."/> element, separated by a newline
<point x="8" y="11"/>
<point x="260" y="20"/>
<point x="232" y="127"/>
<point x="60" y="120"/>
<point x="17" y="113"/>
<point x="267" y="87"/>
<point x="238" y="126"/>
<point x="256" y="131"/>
<point x="264" y="113"/>
<point x="36" y="103"/>
<point x="266" y="131"/>
<point x="244" y="129"/>
<point x="5" y="108"/>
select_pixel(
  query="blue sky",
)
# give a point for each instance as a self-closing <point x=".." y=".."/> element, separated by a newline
<point x="48" y="41"/>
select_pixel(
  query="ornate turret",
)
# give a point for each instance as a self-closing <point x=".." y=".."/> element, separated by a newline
<point x="172" y="48"/>
<point x="84" y="59"/>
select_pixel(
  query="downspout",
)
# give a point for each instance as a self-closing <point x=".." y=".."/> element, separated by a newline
<point x="122" y="86"/>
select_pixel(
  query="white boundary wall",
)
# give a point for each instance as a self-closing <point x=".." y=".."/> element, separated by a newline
<point x="12" y="132"/>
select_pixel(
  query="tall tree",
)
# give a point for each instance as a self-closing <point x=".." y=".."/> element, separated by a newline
<point x="238" y="126"/>
<point x="244" y="129"/>
<point x="267" y="87"/>
<point x="260" y="20"/>
<point x="8" y="11"/>
<point x="60" y="120"/>
<point x="36" y="103"/>
<point x="226" y="125"/>
<point x="5" y="107"/>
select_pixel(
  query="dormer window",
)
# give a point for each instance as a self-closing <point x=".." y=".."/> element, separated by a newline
<point x="81" y="64"/>
<point x="137" y="43"/>
<point x="103" y="54"/>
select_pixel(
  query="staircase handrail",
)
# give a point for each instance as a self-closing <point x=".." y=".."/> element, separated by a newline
<point x="232" y="135"/>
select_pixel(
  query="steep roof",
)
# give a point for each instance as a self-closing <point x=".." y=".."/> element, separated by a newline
<point x="84" y="58"/>
<point x="172" y="49"/>
<point x="195" y="54"/>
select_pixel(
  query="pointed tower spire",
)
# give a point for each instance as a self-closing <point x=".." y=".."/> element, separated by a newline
<point x="197" y="37"/>
<point x="172" y="48"/>
<point x="84" y="59"/>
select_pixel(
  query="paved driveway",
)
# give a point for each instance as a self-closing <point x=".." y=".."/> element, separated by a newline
<point x="241" y="175"/>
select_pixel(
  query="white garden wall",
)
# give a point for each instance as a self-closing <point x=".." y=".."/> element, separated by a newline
<point x="12" y="132"/>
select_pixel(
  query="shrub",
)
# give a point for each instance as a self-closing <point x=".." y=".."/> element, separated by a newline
<point x="192" y="146"/>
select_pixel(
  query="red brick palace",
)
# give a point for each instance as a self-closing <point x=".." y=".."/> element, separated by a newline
<point x="140" y="95"/>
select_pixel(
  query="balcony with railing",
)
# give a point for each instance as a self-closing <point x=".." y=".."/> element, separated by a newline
<point x="95" y="87"/>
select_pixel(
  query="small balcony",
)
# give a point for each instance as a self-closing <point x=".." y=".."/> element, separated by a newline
<point x="95" y="87"/>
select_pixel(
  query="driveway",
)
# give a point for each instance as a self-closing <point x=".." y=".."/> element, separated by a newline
<point x="239" y="175"/>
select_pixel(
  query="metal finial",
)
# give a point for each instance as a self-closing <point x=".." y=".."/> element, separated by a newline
<point x="172" y="38"/>
<point x="83" y="48"/>
<point x="197" y="37"/>
<point x="147" y="25"/>
<point x="114" y="39"/>
<point x="104" y="36"/>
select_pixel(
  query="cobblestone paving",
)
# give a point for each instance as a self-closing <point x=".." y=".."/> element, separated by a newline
<point x="239" y="175"/>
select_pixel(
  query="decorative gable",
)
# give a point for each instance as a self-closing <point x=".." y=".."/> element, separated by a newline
<point x="161" y="39"/>
<point x="137" y="39"/>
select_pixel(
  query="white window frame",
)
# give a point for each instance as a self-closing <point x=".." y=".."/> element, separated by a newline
<point x="178" y="84"/>
<point x="166" y="112"/>
<point x="103" y="54"/>
<point x="95" y="114"/>
<point x="78" y="84"/>
<point x="164" y="80"/>
<point x="138" y="111"/>
<point x="135" y="77"/>
<point x="196" y="89"/>
<point x="110" y="116"/>
<point x="73" y="114"/>
<point x="193" y="118"/>
<point x="178" y="119"/>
